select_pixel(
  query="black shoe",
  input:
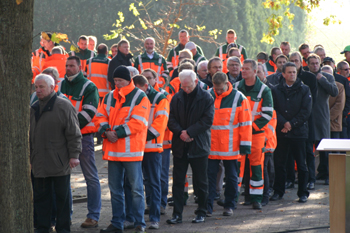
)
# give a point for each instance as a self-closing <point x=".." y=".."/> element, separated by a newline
<point x="257" y="205"/>
<point x="321" y="177"/>
<point x="111" y="228"/>
<point x="174" y="220"/>
<point x="302" y="199"/>
<point x="208" y="214"/>
<point x="275" y="197"/>
<point x="170" y="199"/>
<point x="289" y="185"/>
<point x="147" y="210"/>
<point x="311" y="186"/>
<point x="326" y="181"/>
<point x="221" y="202"/>
<point x="198" y="219"/>
<point x="265" y="201"/>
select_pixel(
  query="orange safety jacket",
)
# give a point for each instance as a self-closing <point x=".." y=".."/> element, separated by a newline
<point x="58" y="61"/>
<point x="125" y="111"/>
<point x="157" y="63"/>
<point x="83" y="61"/>
<point x="168" y="135"/>
<point x="271" y="67"/>
<point x="96" y="71"/>
<point x="270" y="134"/>
<point x="231" y="132"/>
<point x="157" y="121"/>
<point x="224" y="58"/>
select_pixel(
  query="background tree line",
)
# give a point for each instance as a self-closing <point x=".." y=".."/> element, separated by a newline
<point x="247" y="18"/>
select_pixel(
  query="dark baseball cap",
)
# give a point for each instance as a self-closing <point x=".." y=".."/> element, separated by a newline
<point x="328" y="59"/>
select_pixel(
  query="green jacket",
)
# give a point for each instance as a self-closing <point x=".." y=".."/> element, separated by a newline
<point x="84" y="96"/>
<point x="224" y="48"/>
<point x="157" y="63"/>
<point x="177" y="49"/>
<point x="198" y="58"/>
<point x="266" y="108"/>
<point x="83" y="54"/>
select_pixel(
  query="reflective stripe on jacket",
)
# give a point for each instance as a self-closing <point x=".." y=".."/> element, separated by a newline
<point x="96" y="71"/>
<point x="83" y="94"/>
<point x="261" y="104"/>
<point x="125" y="111"/>
<point x="231" y="132"/>
<point x="168" y="135"/>
<point x="157" y="63"/>
<point x="157" y="121"/>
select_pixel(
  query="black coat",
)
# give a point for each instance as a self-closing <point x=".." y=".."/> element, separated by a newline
<point x="118" y="60"/>
<point x="200" y="119"/>
<point x="293" y="104"/>
<point x="309" y="79"/>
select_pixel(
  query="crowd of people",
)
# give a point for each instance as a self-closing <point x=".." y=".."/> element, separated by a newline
<point x="239" y="122"/>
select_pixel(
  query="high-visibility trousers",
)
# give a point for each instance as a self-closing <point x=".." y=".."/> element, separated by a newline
<point x="256" y="166"/>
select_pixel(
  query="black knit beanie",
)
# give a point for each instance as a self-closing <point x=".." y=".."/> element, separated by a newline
<point x="122" y="72"/>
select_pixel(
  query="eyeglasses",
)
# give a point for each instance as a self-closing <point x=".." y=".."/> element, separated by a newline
<point x="347" y="69"/>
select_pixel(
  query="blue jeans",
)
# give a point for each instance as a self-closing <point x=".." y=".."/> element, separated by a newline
<point x="133" y="172"/>
<point x="231" y="190"/>
<point x="164" y="177"/>
<point x="151" y="167"/>
<point x="88" y="166"/>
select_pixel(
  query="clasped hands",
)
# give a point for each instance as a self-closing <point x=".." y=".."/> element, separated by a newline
<point x="111" y="136"/>
<point x="185" y="137"/>
<point x="287" y="127"/>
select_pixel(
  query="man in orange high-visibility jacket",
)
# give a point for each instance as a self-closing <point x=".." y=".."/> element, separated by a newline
<point x="97" y="69"/>
<point x="270" y="64"/>
<point x="261" y="104"/>
<point x="231" y="135"/>
<point x="151" y="76"/>
<point x="151" y="59"/>
<point x="83" y="94"/>
<point x="122" y="119"/>
<point x="57" y="59"/>
<point x="152" y="159"/>
<point x="221" y="52"/>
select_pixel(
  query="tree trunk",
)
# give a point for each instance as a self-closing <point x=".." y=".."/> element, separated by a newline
<point x="16" y="27"/>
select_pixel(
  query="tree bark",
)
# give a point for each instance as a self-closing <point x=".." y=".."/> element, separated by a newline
<point x="16" y="28"/>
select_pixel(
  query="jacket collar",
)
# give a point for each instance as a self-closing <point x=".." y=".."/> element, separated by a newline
<point x="124" y="91"/>
<point x="226" y="93"/>
<point x="48" y="107"/>
<point x="122" y="56"/>
<point x="256" y="87"/>
<point x="155" y="55"/>
<point x="76" y="79"/>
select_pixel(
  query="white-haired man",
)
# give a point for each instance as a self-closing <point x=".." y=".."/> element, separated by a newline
<point x="190" y="119"/>
<point x="55" y="145"/>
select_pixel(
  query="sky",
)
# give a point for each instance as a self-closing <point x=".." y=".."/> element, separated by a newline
<point x="334" y="37"/>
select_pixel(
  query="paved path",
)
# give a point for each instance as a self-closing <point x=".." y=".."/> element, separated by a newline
<point x="286" y="215"/>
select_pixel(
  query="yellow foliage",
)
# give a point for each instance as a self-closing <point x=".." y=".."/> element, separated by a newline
<point x="45" y="36"/>
<point x="19" y="1"/>
<point x="159" y="21"/>
<point x="134" y="10"/>
<point x="74" y="48"/>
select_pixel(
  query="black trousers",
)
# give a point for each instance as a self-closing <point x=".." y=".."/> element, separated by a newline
<point x="43" y="203"/>
<point x="200" y="182"/>
<point x="297" y="148"/>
